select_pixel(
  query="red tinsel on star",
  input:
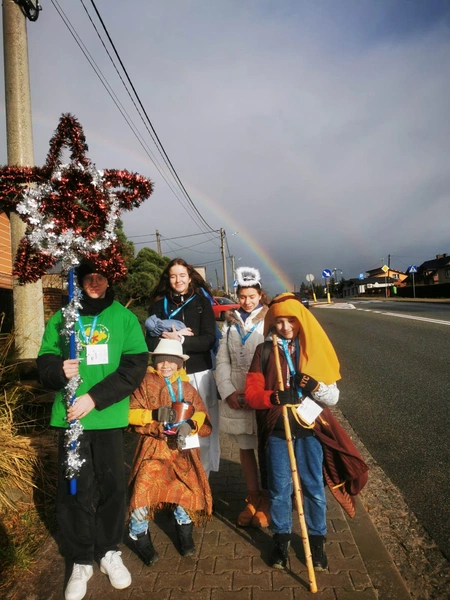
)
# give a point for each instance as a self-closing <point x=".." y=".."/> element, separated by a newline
<point x="75" y="202"/>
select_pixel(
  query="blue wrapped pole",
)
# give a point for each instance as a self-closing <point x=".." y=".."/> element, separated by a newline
<point x="72" y="354"/>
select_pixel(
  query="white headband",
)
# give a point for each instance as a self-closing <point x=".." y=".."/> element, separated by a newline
<point x="248" y="277"/>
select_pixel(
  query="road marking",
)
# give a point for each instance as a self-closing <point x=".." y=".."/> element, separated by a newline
<point x="380" y="312"/>
<point x="426" y="319"/>
<point x="341" y="305"/>
<point x="401" y="316"/>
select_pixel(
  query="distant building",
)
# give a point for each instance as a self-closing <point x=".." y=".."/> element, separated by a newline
<point x="201" y="271"/>
<point x="434" y="271"/>
<point x="375" y="283"/>
<point x="397" y="276"/>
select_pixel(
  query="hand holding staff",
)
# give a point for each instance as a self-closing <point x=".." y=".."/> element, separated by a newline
<point x="295" y="476"/>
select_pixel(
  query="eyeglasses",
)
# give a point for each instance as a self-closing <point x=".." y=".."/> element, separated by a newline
<point x="94" y="279"/>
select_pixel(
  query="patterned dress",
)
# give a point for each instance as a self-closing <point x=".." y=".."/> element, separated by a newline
<point x="162" y="476"/>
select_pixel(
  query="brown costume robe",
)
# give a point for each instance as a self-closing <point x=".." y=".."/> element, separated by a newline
<point x="161" y="475"/>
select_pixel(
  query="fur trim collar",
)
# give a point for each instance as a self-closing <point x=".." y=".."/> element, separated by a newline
<point x="232" y="316"/>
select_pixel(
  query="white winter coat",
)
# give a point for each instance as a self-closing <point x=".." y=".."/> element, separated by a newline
<point x="230" y="376"/>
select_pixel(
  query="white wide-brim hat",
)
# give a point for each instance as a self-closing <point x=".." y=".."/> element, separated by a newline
<point x="171" y="348"/>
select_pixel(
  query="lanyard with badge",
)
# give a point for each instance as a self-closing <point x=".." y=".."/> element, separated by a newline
<point x="244" y="355"/>
<point x="177" y="310"/>
<point x="192" y="441"/>
<point x="308" y="410"/>
<point x="96" y="354"/>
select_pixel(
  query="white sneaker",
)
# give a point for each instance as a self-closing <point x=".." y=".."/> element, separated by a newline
<point x="76" y="586"/>
<point x="112" y="565"/>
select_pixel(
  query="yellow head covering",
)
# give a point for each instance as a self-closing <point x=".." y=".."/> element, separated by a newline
<point x="317" y="356"/>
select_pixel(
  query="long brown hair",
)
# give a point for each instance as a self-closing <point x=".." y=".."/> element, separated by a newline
<point x="163" y="286"/>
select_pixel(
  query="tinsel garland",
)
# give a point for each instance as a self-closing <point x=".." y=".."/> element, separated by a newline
<point x="73" y="462"/>
<point x="71" y="211"/>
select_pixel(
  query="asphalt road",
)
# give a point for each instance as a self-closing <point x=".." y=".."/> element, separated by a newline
<point x="395" y="392"/>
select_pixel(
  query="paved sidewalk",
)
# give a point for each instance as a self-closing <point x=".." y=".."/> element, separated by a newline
<point x="231" y="562"/>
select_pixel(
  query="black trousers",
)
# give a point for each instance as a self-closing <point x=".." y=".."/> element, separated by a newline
<point x="92" y="520"/>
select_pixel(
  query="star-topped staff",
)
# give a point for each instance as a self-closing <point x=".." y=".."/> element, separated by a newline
<point x="71" y="211"/>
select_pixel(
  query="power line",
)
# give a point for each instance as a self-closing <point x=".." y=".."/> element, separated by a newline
<point x="179" y="237"/>
<point x="160" y="146"/>
<point x="114" y="98"/>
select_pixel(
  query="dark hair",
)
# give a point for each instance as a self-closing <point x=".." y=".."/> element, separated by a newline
<point x="163" y="286"/>
<point x="265" y="300"/>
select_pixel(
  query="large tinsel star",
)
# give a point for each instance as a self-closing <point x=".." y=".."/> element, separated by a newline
<point x="71" y="209"/>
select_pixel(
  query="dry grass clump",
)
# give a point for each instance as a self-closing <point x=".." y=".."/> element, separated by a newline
<point x="27" y="472"/>
<point x="21" y="458"/>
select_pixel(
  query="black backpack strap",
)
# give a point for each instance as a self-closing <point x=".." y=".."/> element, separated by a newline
<point x="264" y="356"/>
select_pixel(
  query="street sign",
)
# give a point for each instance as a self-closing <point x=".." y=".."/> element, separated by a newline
<point x="310" y="277"/>
<point x="326" y="273"/>
<point x="385" y="268"/>
<point x="361" y="276"/>
<point x="412" y="269"/>
<point x="235" y="283"/>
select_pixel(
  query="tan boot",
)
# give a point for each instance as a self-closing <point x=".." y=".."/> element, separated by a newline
<point x="246" y="516"/>
<point x="262" y="516"/>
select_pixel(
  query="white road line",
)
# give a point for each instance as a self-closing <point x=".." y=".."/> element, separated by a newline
<point x="401" y="316"/>
<point x="380" y="312"/>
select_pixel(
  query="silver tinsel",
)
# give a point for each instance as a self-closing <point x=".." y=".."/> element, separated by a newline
<point x="66" y="245"/>
<point x="73" y="462"/>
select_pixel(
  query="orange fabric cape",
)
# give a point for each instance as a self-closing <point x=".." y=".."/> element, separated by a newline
<point x="161" y="475"/>
<point x="317" y="356"/>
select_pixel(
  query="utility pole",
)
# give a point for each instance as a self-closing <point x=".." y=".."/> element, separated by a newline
<point x="28" y="299"/>
<point x="217" y="280"/>
<point x="158" y="242"/>
<point x="224" y="260"/>
<point x="233" y="271"/>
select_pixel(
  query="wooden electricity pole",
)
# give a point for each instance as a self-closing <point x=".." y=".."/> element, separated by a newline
<point x="158" y="242"/>
<point x="28" y="299"/>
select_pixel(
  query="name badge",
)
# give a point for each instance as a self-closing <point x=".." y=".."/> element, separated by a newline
<point x="97" y="354"/>
<point x="309" y="410"/>
<point x="244" y="357"/>
<point x="192" y="441"/>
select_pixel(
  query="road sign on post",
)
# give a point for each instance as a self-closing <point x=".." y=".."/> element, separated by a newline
<point x="361" y="276"/>
<point x="411" y="270"/>
<point x="326" y="274"/>
<point x="310" y="279"/>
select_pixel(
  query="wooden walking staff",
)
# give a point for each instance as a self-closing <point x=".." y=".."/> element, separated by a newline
<point x="295" y="476"/>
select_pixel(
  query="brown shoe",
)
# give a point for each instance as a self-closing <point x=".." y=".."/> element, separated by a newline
<point x="246" y="516"/>
<point x="262" y="516"/>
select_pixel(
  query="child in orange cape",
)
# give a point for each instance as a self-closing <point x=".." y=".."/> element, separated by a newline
<point x="170" y="415"/>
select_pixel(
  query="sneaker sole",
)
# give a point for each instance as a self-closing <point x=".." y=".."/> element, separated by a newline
<point x="116" y="586"/>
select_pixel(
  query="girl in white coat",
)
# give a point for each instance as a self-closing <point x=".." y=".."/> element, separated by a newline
<point x="241" y="333"/>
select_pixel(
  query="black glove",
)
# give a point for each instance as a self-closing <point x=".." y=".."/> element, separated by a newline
<point x="183" y="431"/>
<point x="284" y="397"/>
<point x="306" y="383"/>
<point x="164" y="414"/>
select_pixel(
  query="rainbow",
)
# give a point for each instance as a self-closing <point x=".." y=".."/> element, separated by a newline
<point x="282" y="279"/>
